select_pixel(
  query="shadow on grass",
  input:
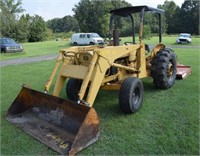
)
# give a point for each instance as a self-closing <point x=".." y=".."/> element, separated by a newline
<point x="107" y="102"/>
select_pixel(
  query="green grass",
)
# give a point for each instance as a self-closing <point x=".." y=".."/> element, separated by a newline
<point x="37" y="49"/>
<point x="167" y="40"/>
<point x="53" y="47"/>
<point x="167" y="123"/>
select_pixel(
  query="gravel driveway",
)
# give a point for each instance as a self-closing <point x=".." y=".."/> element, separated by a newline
<point x="27" y="60"/>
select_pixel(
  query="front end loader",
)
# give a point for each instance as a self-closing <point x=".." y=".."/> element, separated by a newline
<point x="68" y="126"/>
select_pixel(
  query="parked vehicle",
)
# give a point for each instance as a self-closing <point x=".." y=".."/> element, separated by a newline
<point x="86" y="39"/>
<point x="184" y="38"/>
<point x="9" y="45"/>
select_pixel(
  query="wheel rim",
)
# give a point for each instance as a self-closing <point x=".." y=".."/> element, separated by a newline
<point x="136" y="96"/>
<point x="170" y="69"/>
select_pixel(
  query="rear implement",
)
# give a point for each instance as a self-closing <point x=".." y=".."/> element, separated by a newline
<point x="182" y="71"/>
<point x="65" y="127"/>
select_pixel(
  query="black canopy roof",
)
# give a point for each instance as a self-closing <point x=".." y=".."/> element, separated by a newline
<point x="134" y="9"/>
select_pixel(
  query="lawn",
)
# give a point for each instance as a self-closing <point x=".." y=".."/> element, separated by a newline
<point x="53" y="47"/>
<point x="167" y="40"/>
<point x="37" y="49"/>
<point x="167" y="123"/>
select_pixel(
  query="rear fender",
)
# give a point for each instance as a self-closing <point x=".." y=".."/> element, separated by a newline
<point x="156" y="49"/>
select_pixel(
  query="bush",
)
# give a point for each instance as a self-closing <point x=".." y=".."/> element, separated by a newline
<point x="63" y="35"/>
<point x="146" y="32"/>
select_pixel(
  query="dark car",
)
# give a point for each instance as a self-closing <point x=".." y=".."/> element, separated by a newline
<point x="9" y="45"/>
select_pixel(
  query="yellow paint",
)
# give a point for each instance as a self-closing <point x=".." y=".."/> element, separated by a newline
<point x="90" y="63"/>
<point x="58" y="140"/>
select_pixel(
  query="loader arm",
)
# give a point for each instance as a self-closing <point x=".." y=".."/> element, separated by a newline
<point x="61" y="57"/>
<point x="49" y="82"/>
<point x="93" y="73"/>
<point x="102" y="60"/>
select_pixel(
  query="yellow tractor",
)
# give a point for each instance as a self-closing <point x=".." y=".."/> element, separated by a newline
<point x="68" y="126"/>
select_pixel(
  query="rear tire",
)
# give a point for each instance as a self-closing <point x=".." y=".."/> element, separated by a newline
<point x="131" y="95"/>
<point x="164" y="69"/>
<point x="72" y="88"/>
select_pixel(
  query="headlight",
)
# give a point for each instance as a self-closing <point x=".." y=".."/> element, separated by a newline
<point x="21" y="47"/>
<point x="7" y="48"/>
<point x="85" y="58"/>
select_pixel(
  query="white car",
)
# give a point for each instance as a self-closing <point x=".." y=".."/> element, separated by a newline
<point x="86" y="39"/>
<point x="184" y="38"/>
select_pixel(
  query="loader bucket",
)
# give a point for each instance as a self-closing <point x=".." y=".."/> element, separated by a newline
<point x="64" y="126"/>
<point x="182" y="71"/>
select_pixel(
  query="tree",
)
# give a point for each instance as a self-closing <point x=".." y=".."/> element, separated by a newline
<point x="23" y="25"/>
<point x="189" y="14"/>
<point x="93" y="16"/>
<point x="8" y="25"/>
<point x="180" y="19"/>
<point x="11" y="6"/>
<point x="26" y="28"/>
<point x="37" y="29"/>
<point x="152" y="19"/>
<point x="171" y="15"/>
<point x="8" y="12"/>
<point x="65" y="24"/>
<point x="146" y="32"/>
<point x="55" y="25"/>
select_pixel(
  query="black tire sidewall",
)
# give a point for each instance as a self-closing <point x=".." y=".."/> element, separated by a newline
<point x="172" y="78"/>
<point x="72" y="89"/>
<point x="126" y="95"/>
<point x="134" y="85"/>
<point x="160" y="66"/>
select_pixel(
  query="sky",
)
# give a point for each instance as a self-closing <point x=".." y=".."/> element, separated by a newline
<point x="50" y="9"/>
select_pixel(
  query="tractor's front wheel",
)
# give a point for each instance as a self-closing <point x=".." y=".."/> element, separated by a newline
<point x="72" y="89"/>
<point x="131" y="95"/>
<point x="164" y="69"/>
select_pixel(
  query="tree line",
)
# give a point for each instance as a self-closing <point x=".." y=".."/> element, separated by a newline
<point x="26" y="28"/>
<point x="184" y="19"/>
<point x="93" y="16"/>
